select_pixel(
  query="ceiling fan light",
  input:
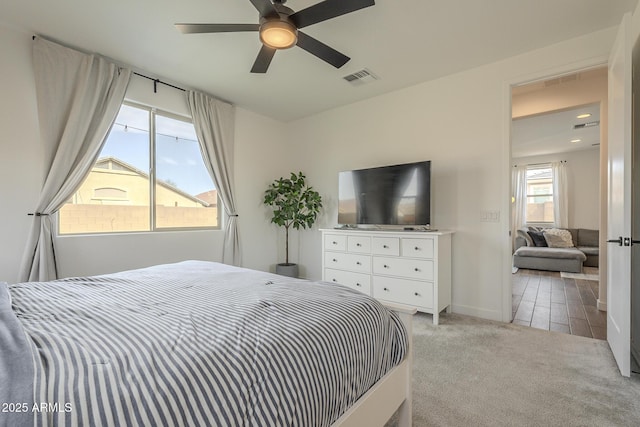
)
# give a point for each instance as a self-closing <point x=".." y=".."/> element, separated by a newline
<point x="278" y="34"/>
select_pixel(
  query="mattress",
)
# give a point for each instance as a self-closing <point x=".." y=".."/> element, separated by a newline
<point x="191" y="343"/>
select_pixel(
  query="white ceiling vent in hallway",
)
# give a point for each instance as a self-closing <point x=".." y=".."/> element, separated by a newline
<point x="361" y="77"/>
<point x="563" y="79"/>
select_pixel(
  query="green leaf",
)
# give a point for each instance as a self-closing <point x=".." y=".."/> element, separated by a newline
<point x="294" y="203"/>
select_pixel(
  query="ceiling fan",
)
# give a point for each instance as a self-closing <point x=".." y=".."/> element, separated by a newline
<point x="279" y="29"/>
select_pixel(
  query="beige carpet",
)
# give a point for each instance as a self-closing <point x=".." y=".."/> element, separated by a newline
<point x="472" y="372"/>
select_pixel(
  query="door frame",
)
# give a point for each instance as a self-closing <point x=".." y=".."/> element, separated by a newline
<point x="506" y="206"/>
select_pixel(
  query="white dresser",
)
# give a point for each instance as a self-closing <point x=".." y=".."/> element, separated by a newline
<point x="406" y="267"/>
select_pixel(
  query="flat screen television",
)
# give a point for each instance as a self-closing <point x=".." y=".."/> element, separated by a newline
<point x="388" y="195"/>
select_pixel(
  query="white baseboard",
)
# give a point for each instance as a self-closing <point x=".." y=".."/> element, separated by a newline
<point x="477" y="312"/>
<point x="602" y="306"/>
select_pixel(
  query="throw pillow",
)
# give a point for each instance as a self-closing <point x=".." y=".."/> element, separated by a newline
<point x="558" y="238"/>
<point x="523" y="233"/>
<point x="538" y="238"/>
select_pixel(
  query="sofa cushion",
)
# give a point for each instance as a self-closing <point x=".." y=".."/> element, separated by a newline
<point x="587" y="237"/>
<point x="574" y="235"/>
<point x="558" y="238"/>
<point x="523" y="233"/>
<point x="538" y="238"/>
<point x="539" y="252"/>
<point x="589" y="250"/>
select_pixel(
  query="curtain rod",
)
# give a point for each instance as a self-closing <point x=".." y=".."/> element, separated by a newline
<point x="121" y="64"/>
<point x="156" y="81"/>
<point x="539" y="164"/>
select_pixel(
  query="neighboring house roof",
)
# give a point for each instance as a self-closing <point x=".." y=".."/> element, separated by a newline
<point x="210" y="197"/>
<point x="126" y="166"/>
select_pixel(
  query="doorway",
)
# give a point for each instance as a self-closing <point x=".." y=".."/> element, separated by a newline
<point x="560" y="120"/>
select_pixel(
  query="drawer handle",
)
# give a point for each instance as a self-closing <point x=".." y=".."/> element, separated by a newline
<point x="385" y="246"/>
<point x="358" y="285"/>
<point x="416" y="269"/>
<point x="416" y="294"/>
<point x="335" y="260"/>
<point x="385" y="289"/>
<point x="334" y="242"/>
<point x="385" y="266"/>
<point x="358" y="244"/>
<point x="358" y="263"/>
<point x="334" y="280"/>
<point x="417" y="248"/>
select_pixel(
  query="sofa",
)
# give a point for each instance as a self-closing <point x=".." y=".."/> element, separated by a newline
<point x="533" y="252"/>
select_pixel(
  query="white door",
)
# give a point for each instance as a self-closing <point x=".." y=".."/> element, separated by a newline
<point x="619" y="199"/>
<point x="635" y="215"/>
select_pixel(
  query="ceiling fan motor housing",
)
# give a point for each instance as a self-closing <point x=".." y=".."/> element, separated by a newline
<point x="278" y="32"/>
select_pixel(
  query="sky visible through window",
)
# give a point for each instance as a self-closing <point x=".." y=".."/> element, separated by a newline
<point x="178" y="157"/>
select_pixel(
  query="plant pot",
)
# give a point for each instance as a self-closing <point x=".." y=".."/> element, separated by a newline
<point x="290" y="269"/>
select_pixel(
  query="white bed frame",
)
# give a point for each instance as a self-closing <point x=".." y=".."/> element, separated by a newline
<point x="391" y="392"/>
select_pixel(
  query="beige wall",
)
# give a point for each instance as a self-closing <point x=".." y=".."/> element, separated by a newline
<point x="121" y="218"/>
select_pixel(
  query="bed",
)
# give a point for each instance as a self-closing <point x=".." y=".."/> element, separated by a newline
<point x="201" y="343"/>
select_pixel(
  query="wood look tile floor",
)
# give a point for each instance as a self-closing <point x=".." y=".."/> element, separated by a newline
<point x="545" y="300"/>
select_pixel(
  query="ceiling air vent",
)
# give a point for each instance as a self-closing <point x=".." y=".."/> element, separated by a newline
<point x="564" y="79"/>
<point x="361" y="77"/>
<point x="586" y="125"/>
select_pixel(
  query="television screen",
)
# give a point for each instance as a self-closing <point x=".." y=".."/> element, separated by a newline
<point x="387" y="195"/>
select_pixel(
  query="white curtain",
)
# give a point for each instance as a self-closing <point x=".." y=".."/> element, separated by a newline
<point x="560" y="194"/>
<point x="78" y="98"/>
<point x="519" y="199"/>
<point x="214" y="122"/>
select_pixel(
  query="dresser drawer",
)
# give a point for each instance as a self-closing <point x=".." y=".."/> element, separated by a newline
<point x="359" y="244"/>
<point x="418" y="294"/>
<point x="402" y="267"/>
<point x="417" y="248"/>
<point x="386" y="246"/>
<point x="335" y="242"/>
<point x="358" y="281"/>
<point x="350" y="262"/>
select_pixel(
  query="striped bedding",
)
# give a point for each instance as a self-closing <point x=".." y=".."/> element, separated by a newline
<point x="201" y="344"/>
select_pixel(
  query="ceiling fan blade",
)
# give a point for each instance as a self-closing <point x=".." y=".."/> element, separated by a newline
<point x="326" y="10"/>
<point x="263" y="60"/>
<point x="265" y="7"/>
<point x="321" y="50"/>
<point x="215" y="28"/>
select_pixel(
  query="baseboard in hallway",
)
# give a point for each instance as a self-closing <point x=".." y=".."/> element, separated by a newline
<point x="545" y="300"/>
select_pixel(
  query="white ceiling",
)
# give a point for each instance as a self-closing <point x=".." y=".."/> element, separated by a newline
<point x="552" y="132"/>
<point x="404" y="42"/>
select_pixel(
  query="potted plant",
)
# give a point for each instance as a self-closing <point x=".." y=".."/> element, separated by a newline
<point x="294" y="204"/>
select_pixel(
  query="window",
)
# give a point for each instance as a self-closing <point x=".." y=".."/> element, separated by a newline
<point x="539" y="194"/>
<point x="109" y="194"/>
<point x="149" y="176"/>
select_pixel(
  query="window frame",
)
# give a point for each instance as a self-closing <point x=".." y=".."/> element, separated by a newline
<point x="152" y="113"/>
<point x="527" y="196"/>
